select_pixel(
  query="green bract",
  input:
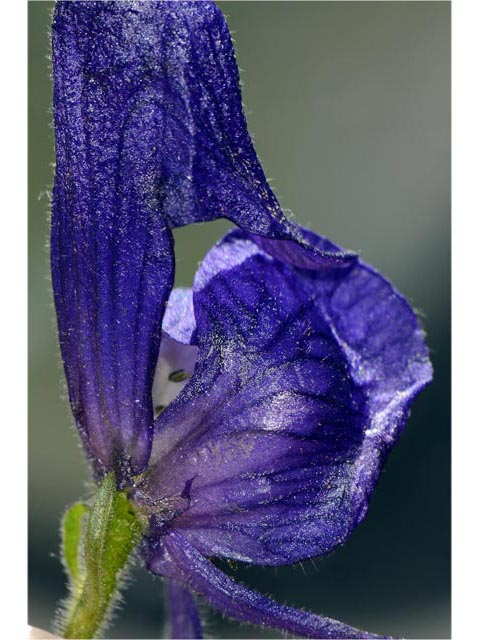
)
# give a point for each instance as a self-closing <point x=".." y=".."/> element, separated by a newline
<point x="97" y="543"/>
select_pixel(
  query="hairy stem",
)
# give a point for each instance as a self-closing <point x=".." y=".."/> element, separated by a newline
<point x="111" y="532"/>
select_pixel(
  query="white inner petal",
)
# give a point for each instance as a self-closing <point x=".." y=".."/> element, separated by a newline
<point x="173" y="359"/>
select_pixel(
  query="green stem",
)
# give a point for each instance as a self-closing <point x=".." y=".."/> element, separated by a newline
<point x="110" y="534"/>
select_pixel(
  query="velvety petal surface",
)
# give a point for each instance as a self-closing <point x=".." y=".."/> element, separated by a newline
<point x="302" y="384"/>
<point x="183" y="620"/>
<point x="168" y="70"/>
<point x="111" y="250"/>
<point x="175" y="557"/>
<point x="150" y="134"/>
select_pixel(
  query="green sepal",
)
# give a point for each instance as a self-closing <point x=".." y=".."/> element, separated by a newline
<point x="110" y="533"/>
<point x="72" y="526"/>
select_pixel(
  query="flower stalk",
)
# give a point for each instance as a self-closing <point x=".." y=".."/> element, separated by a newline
<point x="98" y="542"/>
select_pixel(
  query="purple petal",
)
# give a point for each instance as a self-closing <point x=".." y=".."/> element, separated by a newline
<point x="111" y="251"/>
<point x="183" y="618"/>
<point x="302" y="385"/>
<point x="167" y="71"/>
<point x="177" y="559"/>
<point x="150" y="134"/>
<point x="179" y="319"/>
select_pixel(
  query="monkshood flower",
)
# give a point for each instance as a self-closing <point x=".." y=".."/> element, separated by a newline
<point x="150" y="135"/>
<point x="247" y="418"/>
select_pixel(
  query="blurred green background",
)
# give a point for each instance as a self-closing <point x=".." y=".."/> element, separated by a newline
<point x="349" y="105"/>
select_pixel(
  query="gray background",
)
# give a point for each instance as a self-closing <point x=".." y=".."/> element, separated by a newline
<point x="349" y="105"/>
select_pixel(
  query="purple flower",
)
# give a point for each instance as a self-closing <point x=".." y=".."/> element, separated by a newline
<point x="150" y="135"/>
<point x="249" y="420"/>
<point x="301" y="382"/>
